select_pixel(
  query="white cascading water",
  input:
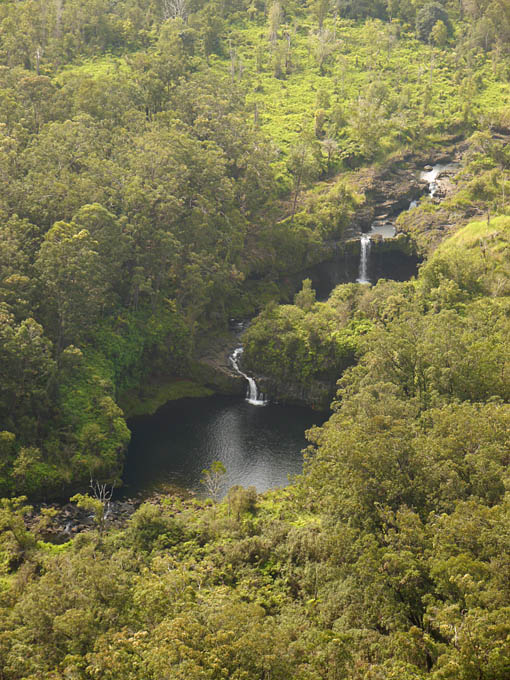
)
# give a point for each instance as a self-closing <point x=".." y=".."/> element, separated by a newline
<point x="431" y="176"/>
<point x="252" y="394"/>
<point x="364" y="259"/>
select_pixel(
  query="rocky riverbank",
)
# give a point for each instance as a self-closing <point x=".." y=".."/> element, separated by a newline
<point x="391" y="188"/>
<point x="57" y="523"/>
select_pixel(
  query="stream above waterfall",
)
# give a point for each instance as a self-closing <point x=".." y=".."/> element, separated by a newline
<point x="433" y="174"/>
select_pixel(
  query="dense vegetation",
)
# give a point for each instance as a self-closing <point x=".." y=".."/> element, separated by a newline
<point x="168" y="164"/>
<point x="308" y="342"/>
<point x="387" y="559"/>
<point x="156" y="161"/>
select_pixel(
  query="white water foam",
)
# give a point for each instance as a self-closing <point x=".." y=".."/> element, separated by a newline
<point x="252" y="394"/>
<point x="364" y="259"/>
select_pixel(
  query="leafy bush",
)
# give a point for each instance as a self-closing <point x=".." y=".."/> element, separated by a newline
<point x="428" y="17"/>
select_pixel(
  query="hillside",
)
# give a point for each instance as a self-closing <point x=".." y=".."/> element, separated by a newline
<point x="219" y="148"/>
<point x="167" y="166"/>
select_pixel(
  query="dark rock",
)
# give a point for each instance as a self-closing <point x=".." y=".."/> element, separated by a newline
<point x="214" y="369"/>
<point x="317" y="395"/>
<point x="388" y="191"/>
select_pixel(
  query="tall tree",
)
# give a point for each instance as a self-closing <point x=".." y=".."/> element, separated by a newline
<point x="73" y="282"/>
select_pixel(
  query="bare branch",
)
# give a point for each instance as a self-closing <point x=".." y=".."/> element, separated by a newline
<point x="175" y="8"/>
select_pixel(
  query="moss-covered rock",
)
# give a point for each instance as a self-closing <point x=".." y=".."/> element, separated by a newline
<point x="149" y="397"/>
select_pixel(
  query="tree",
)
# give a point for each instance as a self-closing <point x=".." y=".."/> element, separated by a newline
<point x="274" y="18"/>
<point x="212" y="479"/>
<point x="7" y="455"/>
<point x="73" y="278"/>
<point x="150" y="526"/>
<point x="175" y="8"/>
<point x="16" y="542"/>
<point x="320" y="121"/>
<point x="323" y="44"/>
<point x="439" y="34"/>
<point x="112" y="241"/>
<point x="428" y="16"/>
<point x="305" y="299"/>
<point x="241" y="500"/>
<point x="361" y="9"/>
<point x="321" y="9"/>
<point x="98" y="503"/>
<point x="304" y="166"/>
<point x="210" y="26"/>
<point x="26" y="370"/>
<point x="331" y="147"/>
<point x="37" y="93"/>
<point x="369" y="122"/>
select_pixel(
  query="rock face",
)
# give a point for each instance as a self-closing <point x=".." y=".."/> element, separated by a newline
<point x="318" y="394"/>
<point x="388" y="191"/>
<point x="393" y="190"/>
<point x="216" y="373"/>
<point x="213" y="367"/>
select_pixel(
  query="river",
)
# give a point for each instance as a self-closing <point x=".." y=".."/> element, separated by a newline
<point x="260" y="444"/>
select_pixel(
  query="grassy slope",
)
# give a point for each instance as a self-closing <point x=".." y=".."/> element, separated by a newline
<point x="421" y="83"/>
<point x="419" y="78"/>
<point x="496" y="233"/>
<point x="148" y="399"/>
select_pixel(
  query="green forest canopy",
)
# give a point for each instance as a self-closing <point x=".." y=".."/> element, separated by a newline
<point x="163" y="165"/>
<point x="155" y="164"/>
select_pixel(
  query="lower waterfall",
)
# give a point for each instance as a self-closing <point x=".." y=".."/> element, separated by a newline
<point x="252" y="393"/>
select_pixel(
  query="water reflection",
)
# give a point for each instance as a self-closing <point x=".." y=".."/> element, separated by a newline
<point x="259" y="447"/>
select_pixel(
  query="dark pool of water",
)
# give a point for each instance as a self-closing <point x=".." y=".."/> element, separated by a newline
<point x="259" y="445"/>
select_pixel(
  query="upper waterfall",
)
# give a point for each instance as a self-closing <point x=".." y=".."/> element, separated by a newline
<point x="364" y="259"/>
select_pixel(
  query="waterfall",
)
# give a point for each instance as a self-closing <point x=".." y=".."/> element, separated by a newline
<point x="432" y="188"/>
<point x="364" y="259"/>
<point x="430" y="177"/>
<point x="252" y="394"/>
